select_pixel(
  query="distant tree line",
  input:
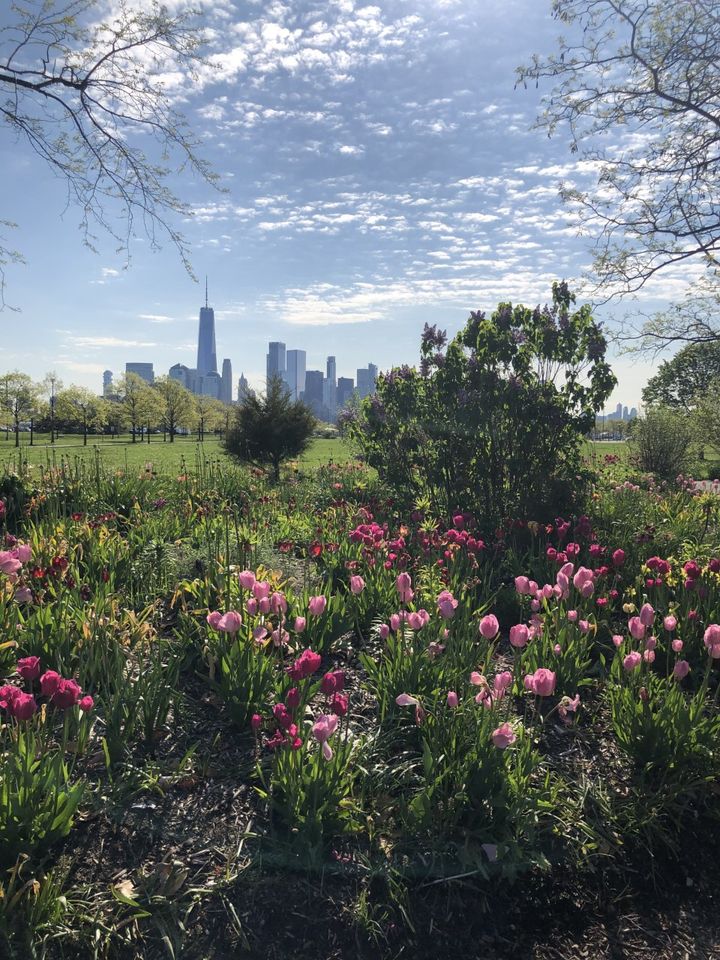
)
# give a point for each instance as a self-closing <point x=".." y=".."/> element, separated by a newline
<point x="50" y="407"/>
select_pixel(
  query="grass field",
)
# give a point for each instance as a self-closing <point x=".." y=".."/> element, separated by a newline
<point x="122" y="454"/>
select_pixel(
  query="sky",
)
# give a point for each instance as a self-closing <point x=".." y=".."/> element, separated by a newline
<point x="378" y="171"/>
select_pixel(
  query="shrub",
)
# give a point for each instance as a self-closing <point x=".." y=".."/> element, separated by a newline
<point x="662" y="442"/>
<point x="494" y="423"/>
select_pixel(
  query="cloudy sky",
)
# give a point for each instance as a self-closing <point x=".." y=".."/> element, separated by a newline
<point x="380" y="171"/>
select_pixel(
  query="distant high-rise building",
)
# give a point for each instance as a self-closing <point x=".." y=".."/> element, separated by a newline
<point x="330" y="388"/>
<point x="366" y="377"/>
<point x="209" y="385"/>
<point x="226" y="384"/>
<point x="625" y="414"/>
<point x="313" y="395"/>
<point x="183" y="375"/>
<point x="275" y="360"/>
<point x="618" y="412"/>
<point x="633" y="413"/>
<point x="207" y="354"/>
<point x="345" y="387"/>
<point x="143" y="370"/>
<point x="243" y="389"/>
<point x="295" y="372"/>
<point x="107" y="382"/>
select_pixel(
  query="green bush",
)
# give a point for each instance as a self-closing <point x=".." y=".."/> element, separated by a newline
<point x="494" y="423"/>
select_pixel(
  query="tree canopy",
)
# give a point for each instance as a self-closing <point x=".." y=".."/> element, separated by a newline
<point x="87" y="95"/>
<point x="681" y="381"/>
<point x="648" y="69"/>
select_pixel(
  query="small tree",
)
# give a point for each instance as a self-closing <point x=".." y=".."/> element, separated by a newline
<point x="138" y="400"/>
<point x="209" y="414"/>
<point x="663" y="442"/>
<point x="175" y="405"/>
<point x="19" y="399"/>
<point x="270" y="429"/>
<point x="80" y="409"/>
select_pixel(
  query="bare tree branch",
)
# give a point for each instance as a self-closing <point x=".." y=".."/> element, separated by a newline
<point x="93" y="102"/>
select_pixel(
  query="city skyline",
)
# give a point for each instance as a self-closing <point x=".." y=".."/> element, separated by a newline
<point x="369" y="189"/>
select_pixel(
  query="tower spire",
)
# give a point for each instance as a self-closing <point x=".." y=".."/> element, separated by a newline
<point x="206" y="296"/>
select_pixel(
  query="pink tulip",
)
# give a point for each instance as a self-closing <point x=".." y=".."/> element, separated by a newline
<point x="357" y="585"/>
<point x="86" y="704"/>
<point x="477" y="679"/>
<point x="418" y="620"/>
<point x="567" y="569"/>
<point x="522" y="585"/>
<point x="651" y="643"/>
<point x="489" y="626"/>
<point x="264" y="605"/>
<point x="256" y="722"/>
<point x="405" y="700"/>
<point x="572" y="616"/>
<point x="214" y="618"/>
<point x="452" y="699"/>
<point x="649" y="656"/>
<point x="66" y="694"/>
<point x="403" y="585"/>
<point x="501" y="684"/>
<point x="24" y="706"/>
<point x="584" y="626"/>
<point x="23" y="552"/>
<point x="681" y="669"/>
<point x="317" y="605"/>
<point x="504" y="736"/>
<point x="637" y="628"/>
<point x="711" y="639"/>
<point x="261" y="589"/>
<point x="587" y="589"/>
<point x="669" y="623"/>
<point x="632" y="661"/>
<point x="677" y="645"/>
<point x="29" y="668"/>
<point x="300" y="624"/>
<point x="9" y="565"/>
<point x="647" y="615"/>
<point x="247" y="579"/>
<point x="519" y="635"/>
<point x="305" y="666"/>
<point x="49" y="683"/>
<point x="447" y="604"/>
<point x="618" y="558"/>
<point x="278" y="603"/>
<point x="582" y="576"/>
<point x="384" y="631"/>
<point x="252" y="606"/>
<point x="618" y="639"/>
<point x="259" y="634"/>
<point x="323" y="728"/>
<point x="229" y="622"/>
<point x="541" y="683"/>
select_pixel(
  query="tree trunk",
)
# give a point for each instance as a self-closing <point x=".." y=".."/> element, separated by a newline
<point x="84" y="433"/>
<point x="17" y="433"/>
<point x="32" y="422"/>
<point x="134" y="431"/>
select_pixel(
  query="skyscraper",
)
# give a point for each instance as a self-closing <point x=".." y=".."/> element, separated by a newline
<point x="107" y="382"/>
<point x="226" y="385"/>
<point x="330" y="388"/>
<point x="243" y="389"/>
<point x="143" y="370"/>
<point x="207" y="354"/>
<point x="275" y="360"/>
<point x="366" y="377"/>
<point x="295" y="372"/>
<point x="345" y="387"/>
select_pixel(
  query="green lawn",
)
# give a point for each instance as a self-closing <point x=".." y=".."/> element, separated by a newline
<point x="121" y="453"/>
